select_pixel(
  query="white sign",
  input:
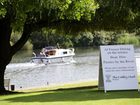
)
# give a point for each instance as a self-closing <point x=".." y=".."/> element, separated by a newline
<point x="118" y="67"/>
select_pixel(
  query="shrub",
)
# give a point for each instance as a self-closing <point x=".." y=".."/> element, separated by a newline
<point x="128" y="39"/>
<point x="83" y="39"/>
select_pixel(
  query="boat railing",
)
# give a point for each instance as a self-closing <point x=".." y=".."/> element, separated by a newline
<point x="72" y="49"/>
<point x="34" y="54"/>
<point x="39" y="55"/>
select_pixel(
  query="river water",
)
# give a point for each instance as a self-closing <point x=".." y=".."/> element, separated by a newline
<point x="26" y="75"/>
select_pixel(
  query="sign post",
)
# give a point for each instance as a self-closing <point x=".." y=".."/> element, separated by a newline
<point x="117" y="68"/>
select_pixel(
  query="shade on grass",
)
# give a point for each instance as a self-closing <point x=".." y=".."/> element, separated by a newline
<point x="86" y="95"/>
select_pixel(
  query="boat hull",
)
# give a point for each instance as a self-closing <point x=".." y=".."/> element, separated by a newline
<point x="50" y="60"/>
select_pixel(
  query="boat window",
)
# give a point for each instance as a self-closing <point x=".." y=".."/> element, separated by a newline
<point x="65" y="52"/>
<point x="51" y="52"/>
<point x="70" y="51"/>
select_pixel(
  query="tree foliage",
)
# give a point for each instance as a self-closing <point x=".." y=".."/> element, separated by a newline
<point x="118" y="14"/>
<point x="33" y="11"/>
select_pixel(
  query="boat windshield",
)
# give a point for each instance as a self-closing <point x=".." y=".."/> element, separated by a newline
<point x="50" y="47"/>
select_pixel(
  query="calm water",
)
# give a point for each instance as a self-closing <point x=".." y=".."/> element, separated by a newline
<point x="24" y="74"/>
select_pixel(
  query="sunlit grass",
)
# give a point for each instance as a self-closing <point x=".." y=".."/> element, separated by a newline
<point x="85" y="93"/>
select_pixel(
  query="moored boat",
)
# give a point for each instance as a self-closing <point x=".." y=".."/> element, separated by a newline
<point x="51" y="54"/>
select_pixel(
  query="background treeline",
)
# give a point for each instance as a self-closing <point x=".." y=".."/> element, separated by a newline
<point x="52" y="37"/>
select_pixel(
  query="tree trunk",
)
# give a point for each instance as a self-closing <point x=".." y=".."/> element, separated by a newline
<point x="5" y="48"/>
<point x="2" y="70"/>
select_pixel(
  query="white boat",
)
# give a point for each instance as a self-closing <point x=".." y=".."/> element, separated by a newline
<point x="50" y="55"/>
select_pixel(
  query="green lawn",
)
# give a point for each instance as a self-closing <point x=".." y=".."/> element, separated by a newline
<point x="73" y="94"/>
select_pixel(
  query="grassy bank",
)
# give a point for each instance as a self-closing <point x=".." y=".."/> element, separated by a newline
<point x="85" y="93"/>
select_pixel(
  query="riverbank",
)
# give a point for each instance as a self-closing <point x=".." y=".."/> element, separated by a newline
<point x="85" y="93"/>
<point x="72" y="85"/>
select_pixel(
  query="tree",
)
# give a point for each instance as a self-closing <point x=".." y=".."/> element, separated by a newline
<point x="118" y="15"/>
<point x="30" y="15"/>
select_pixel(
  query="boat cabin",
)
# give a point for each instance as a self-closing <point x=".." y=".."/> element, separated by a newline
<point x="53" y="51"/>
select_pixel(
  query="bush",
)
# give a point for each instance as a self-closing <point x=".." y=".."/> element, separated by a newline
<point x="104" y="37"/>
<point x="83" y="39"/>
<point x="128" y="39"/>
